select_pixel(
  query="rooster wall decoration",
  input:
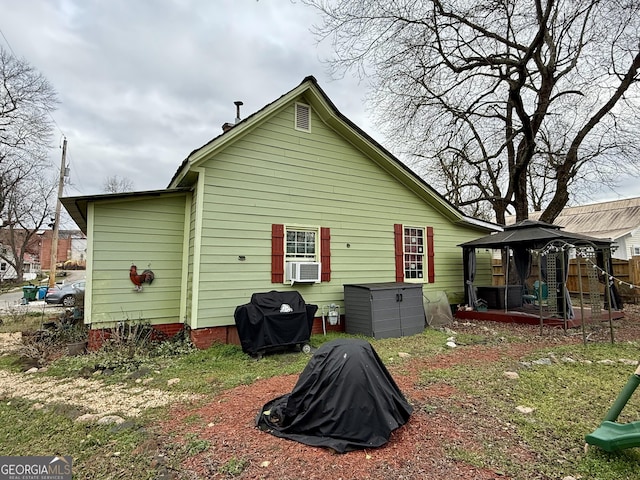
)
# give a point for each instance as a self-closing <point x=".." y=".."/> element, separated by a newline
<point x="146" y="276"/>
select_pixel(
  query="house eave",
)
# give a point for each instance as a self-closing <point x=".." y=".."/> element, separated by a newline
<point x="489" y="226"/>
<point x="77" y="207"/>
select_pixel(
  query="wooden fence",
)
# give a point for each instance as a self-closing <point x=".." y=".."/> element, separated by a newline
<point x="625" y="272"/>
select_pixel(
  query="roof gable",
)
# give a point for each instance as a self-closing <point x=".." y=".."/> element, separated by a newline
<point x="310" y="93"/>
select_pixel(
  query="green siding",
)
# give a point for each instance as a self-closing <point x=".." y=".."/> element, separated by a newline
<point x="147" y="232"/>
<point x="276" y="174"/>
<point x="191" y="259"/>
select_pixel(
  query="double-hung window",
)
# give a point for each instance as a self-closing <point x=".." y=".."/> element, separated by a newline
<point x="414" y="252"/>
<point x="301" y="244"/>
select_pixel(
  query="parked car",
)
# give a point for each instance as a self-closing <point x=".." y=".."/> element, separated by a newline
<point x="65" y="294"/>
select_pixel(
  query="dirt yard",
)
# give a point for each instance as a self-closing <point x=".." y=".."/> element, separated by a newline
<point x="415" y="451"/>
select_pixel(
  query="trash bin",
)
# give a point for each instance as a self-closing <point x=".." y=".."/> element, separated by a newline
<point x="29" y="292"/>
<point x="42" y="292"/>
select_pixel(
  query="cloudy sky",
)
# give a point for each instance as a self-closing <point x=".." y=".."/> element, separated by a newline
<point x="142" y="83"/>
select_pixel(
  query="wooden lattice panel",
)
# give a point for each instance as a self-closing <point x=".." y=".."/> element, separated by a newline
<point x="552" y="285"/>
<point x="595" y="300"/>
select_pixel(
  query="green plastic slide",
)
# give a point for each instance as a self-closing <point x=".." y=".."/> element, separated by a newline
<point x="612" y="436"/>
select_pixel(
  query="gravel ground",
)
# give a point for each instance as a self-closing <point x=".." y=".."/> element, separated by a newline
<point x="89" y="396"/>
<point x="10" y="342"/>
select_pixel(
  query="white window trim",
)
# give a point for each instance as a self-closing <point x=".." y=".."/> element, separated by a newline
<point x="425" y="258"/>
<point x="302" y="228"/>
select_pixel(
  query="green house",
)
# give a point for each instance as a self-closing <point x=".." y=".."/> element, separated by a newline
<point x="295" y="196"/>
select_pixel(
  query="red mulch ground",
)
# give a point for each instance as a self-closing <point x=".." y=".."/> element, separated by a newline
<point x="415" y="451"/>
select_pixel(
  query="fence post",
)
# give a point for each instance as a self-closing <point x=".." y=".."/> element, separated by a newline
<point x="634" y="275"/>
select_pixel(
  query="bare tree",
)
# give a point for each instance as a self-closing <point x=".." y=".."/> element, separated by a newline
<point x="507" y="103"/>
<point x="116" y="184"/>
<point x="26" y="101"/>
<point x="28" y="205"/>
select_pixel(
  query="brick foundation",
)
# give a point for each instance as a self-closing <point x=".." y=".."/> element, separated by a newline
<point x="97" y="336"/>
<point x="317" y="326"/>
<point x="205" y="337"/>
<point x="202" y="338"/>
<point x="169" y="329"/>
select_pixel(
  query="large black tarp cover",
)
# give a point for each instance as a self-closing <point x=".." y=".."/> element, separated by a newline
<point x="263" y="325"/>
<point x="345" y="399"/>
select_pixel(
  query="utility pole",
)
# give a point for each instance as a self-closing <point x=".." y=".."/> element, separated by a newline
<point x="56" y="224"/>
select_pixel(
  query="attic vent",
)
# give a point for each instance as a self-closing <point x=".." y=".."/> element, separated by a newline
<point x="303" y="117"/>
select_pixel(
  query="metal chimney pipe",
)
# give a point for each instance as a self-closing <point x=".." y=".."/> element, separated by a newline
<point x="237" y="104"/>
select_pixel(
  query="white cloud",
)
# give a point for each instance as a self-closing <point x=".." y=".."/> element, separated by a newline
<point x="143" y="83"/>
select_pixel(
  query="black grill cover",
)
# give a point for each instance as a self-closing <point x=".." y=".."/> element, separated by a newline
<point x="261" y="325"/>
<point x="345" y="399"/>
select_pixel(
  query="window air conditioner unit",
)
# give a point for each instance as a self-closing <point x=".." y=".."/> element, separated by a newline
<point x="303" y="272"/>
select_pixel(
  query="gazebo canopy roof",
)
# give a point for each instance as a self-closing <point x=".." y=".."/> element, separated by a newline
<point x="532" y="234"/>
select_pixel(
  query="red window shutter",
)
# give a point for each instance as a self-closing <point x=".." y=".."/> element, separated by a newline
<point x="398" y="240"/>
<point x="325" y="253"/>
<point x="277" y="253"/>
<point x="430" y="256"/>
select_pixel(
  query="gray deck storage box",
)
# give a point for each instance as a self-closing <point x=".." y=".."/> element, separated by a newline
<point x="495" y="296"/>
<point x="384" y="310"/>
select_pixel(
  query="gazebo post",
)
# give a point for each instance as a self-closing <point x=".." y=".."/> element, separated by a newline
<point x="584" y="334"/>
<point x="608" y="289"/>
<point x="506" y="279"/>
<point x="565" y="290"/>
<point x="465" y="273"/>
<point x="540" y="290"/>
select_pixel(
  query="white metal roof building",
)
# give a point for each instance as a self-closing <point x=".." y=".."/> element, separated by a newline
<point x="618" y="221"/>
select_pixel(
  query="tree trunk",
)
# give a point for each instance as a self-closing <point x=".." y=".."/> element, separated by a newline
<point x="19" y="267"/>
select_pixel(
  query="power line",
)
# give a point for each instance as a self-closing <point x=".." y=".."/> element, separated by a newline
<point x="8" y="44"/>
<point x="55" y="123"/>
<point x="77" y="184"/>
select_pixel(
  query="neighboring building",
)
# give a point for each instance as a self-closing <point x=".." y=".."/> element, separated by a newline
<point x="72" y="251"/>
<point x="618" y="221"/>
<point x="31" y="259"/>
<point x="72" y="248"/>
<point x="78" y="250"/>
<point x="31" y="268"/>
<point x="294" y="182"/>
